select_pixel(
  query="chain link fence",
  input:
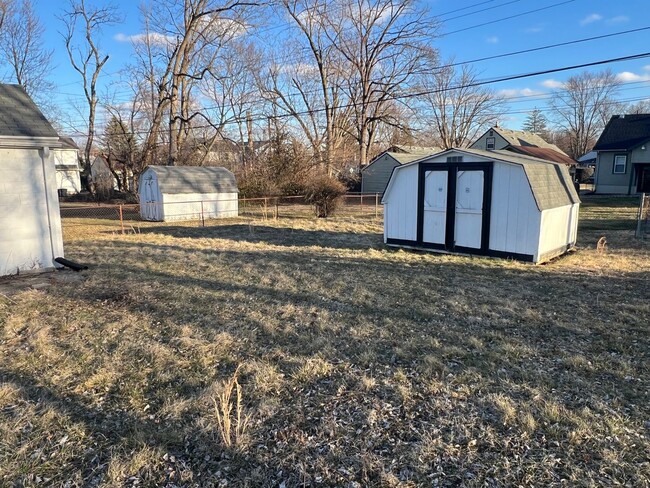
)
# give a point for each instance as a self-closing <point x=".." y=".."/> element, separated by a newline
<point x="81" y="220"/>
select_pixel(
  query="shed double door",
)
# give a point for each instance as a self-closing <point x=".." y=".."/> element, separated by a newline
<point x="453" y="212"/>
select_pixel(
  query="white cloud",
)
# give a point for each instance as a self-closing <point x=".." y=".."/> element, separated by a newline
<point x="591" y="18"/>
<point x="492" y="40"/>
<point x="519" y="92"/>
<point x="619" y="19"/>
<point x="553" y="84"/>
<point x="154" y="38"/>
<point x="535" y="29"/>
<point x="646" y="67"/>
<point x="628" y="76"/>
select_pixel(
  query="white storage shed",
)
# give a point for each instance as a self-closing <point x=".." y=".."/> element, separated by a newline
<point x="30" y="221"/>
<point x="187" y="192"/>
<point x="491" y="203"/>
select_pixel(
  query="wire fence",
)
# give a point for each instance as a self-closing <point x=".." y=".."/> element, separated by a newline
<point x="82" y="220"/>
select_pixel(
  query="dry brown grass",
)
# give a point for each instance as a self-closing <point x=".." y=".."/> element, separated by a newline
<point x="360" y="365"/>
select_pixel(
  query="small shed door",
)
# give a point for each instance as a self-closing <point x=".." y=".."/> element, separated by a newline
<point x="469" y="209"/>
<point x="150" y="196"/>
<point x="435" y="207"/>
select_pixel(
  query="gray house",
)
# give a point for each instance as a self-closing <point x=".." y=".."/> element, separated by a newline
<point x="623" y="156"/>
<point x="375" y="176"/>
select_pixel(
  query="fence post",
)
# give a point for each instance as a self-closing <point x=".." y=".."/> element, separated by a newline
<point x="121" y="219"/>
<point x="361" y="199"/>
<point x="276" y="209"/>
<point x="202" y="215"/>
<point x="639" y="218"/>
<point x="376" y="205"/>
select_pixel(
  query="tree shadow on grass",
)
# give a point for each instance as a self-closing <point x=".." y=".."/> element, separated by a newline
<point x="472" y="323"/>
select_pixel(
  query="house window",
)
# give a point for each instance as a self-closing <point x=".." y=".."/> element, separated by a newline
<point x="620" y="163"/>
<point x="489" y="143"/>
<point x="454" y="159"/>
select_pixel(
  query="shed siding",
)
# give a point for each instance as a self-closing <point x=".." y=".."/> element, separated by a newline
<point x="515" y="219"/>
<point x="192" y="206"/>
<point x="558" y="229"/>
<point x="400" y="212"/>
<point x="375" y="177"/>
<point x="30" y="219"/>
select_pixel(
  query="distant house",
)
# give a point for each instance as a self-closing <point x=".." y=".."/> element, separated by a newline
<point x="66" y="160"/>
<point x="30" y="221"/>
<point x="522" y="142"/>
<point x="103" y="178"/>
<point x="375" y="176"/>
<point x="623" y="156"/>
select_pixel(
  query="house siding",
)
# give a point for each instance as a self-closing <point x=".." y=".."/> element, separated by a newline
<point x="481" y="142"/>
<point x="374" y="177"/>
<point x="609" y="182"/>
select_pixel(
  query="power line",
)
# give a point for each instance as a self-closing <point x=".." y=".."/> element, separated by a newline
<point x="471" y="61"/>
<point x="509" y="17"/>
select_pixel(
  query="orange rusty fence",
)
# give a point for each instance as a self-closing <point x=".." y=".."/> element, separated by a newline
<point x="83" y="219"/>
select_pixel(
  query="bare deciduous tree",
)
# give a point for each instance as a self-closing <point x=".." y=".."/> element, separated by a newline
<point x="457" y="108"/>
<point x="23" y="50"/>
<point x="83" y="24"/>
<point x="382" y="43"/>
<point x="583" y="107"/>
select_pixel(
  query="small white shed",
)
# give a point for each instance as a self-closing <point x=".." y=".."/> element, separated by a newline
<point x="187" y="193"/>
<point x="491" y="203"/>
<point x="30" y="221"/>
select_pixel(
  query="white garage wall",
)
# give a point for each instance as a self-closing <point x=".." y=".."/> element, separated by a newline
<point x="401" y="205"/>
<point x="514" y="217"/>
<point x="188" y="206"/>
<point x="30" y="222"/>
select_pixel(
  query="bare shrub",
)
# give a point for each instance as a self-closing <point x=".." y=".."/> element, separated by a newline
<point x="325" y="194"/>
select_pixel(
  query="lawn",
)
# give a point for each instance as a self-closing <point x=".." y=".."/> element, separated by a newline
<point x="356" y="365"/>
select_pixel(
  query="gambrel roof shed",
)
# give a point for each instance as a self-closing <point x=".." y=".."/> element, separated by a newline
<point x="491" y="203"/>
<point x="187" y="193"/>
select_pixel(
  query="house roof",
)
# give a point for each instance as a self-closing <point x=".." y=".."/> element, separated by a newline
<point x="525" y="139"/>
<point x="19" y="115"/>
<point x="550" y="182"/>
<point x="624" y="132"/>
<point x="426" y="150"/>
<point x="68" y="143"/>
<point x="400" y="157"/>
<point x="194" y="179"/>
<point x="545" y="153"/>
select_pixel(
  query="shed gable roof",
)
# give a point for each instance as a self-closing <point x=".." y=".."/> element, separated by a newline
<point x="19" y="115"/>
<point x="194" y="179"/>
<point x="624" y="132"/>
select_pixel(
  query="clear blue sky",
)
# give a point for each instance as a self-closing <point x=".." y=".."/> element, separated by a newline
<point x="563" y="21"/>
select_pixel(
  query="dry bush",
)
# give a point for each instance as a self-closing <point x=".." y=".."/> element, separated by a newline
<point x="325" y="194"/>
